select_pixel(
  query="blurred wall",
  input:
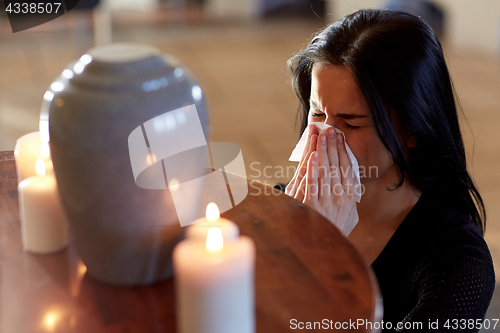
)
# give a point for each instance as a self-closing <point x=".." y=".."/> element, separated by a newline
<point x="471" y="25"/>
<point x="242" y="9"/>
<point x="142" y="5"/>
<point x="340" y="8"/>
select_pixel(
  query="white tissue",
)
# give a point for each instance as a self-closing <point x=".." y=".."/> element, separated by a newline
<point x="322" y="127"/>
<point x="297" y="156"/>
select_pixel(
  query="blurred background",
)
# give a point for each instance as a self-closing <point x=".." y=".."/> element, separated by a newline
<point x="238" y="50"/>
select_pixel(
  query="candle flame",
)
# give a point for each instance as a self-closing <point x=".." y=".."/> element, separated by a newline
<point x="215" y="242"/>
<point x="45" y="150"/>
<point x="40" y="167"/>
<point x="51" y="319"/>
<point x="212" y="212"/>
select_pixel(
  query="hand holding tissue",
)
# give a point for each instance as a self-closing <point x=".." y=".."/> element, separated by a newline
<point x="346" y="225"/>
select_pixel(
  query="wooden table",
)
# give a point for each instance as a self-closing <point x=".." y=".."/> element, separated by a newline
<point x="306" y="270"/>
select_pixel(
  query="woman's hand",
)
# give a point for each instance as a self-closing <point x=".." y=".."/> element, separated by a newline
<point x="293" y="187"/>
<point x="329" y="182"/>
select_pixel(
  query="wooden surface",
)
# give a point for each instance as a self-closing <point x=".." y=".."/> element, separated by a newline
<point x="305" y="270"/>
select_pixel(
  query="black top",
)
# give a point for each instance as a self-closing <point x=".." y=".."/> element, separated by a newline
<point x="436" y="266"/>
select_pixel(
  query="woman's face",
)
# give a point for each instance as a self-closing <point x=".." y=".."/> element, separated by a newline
<point x="337" y="101"/>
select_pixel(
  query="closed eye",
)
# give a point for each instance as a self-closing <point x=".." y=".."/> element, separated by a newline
<point x="351" y="127"/>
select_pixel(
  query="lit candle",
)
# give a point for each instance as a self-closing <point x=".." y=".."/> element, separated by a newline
<point x="27" y="151"/>
<point x="199" y="229"/>
<point x="215" y="279"/>
<point x="43" y="223"/>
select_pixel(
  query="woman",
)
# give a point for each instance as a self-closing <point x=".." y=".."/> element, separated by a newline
<point x="380" y="77"/>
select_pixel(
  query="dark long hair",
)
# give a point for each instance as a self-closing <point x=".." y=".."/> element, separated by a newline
<point x="398" y="64"/>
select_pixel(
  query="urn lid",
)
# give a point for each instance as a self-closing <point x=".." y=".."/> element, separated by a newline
<point x="125" y="66"/>
<point x="123" y="52"/>
<point x="124" y="69"/>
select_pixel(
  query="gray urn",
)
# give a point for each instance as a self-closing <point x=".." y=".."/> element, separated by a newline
<point x="124" y="233"/>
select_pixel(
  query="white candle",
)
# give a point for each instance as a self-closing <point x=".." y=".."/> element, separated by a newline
<point x="27" y="151"/>
<point x="215" y="280"/>
<point x="43" y="223"/>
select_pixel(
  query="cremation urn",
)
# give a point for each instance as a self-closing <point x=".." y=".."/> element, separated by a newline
<point x="114" y="118"/>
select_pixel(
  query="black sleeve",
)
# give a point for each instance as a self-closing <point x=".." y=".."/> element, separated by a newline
<point x="453" y="288"/>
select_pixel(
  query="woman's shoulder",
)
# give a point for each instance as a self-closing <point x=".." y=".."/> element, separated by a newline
<point x="445" y="267"/>
<point x="452" y="232"/>
<point x="436" y="238"/>
<point x="454" y="250"/>
<point x="434" y="229"/>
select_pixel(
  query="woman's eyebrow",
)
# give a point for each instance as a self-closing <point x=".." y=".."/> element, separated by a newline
<point x="315" y="106"/>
